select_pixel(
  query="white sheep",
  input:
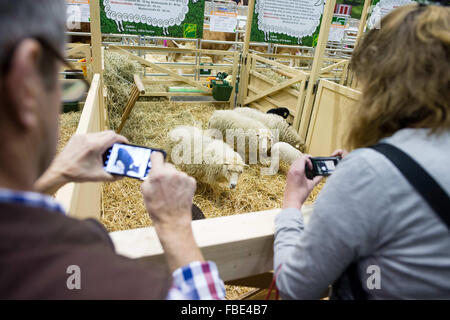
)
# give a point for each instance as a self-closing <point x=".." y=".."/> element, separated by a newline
<point x="248" y="133"/>
<point x="199" y="155"/>
<point x="285" y="152"/>
<point x="273" y="121"/>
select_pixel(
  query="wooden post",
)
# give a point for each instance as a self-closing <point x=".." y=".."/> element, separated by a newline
<point x="96" y="44"/>
<point x="362" y="22"/>
<point x="316" y="66"/>
<point x="245" y="68"/>
<point x="362" y="25"/>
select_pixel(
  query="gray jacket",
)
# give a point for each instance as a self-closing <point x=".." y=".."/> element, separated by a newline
<point x="368" y="212"/>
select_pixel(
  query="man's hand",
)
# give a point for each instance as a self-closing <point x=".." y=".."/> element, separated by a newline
<point x="298" y="187"/>
<point x="168" y="195"/>
<point x="80" y="161"/>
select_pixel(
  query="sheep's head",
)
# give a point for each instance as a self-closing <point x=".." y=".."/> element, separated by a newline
<point x="265" y="139"/>
<point x="232" y="171"/>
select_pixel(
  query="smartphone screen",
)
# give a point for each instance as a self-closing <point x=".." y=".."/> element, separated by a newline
<point x="324" y="167"/>
<point x="129" y="160"/>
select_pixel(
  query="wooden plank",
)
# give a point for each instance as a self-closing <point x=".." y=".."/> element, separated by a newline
<point x="275" y="89"/>
<point x="134" y="95"/>
<point x="241" y="245"/>
<point x="84" y="200"/>
<point x="316" y="67"/>
<point x="330" y="118"/>
<point x="273" y="101"/>
<point x="162" y="69"/>
<point x="273" y="83"/>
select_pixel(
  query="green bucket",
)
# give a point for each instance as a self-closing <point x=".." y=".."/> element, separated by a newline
<point x="221" y="91"/>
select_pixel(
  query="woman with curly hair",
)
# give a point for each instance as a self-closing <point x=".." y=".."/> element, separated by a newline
<point x="371" y="229"/>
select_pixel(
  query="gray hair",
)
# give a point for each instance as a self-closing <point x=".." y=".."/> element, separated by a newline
<point x="20" y="19"/>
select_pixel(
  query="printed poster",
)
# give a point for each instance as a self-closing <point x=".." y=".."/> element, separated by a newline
<point x="174" y="18"/>
<point x="291" y="22"/>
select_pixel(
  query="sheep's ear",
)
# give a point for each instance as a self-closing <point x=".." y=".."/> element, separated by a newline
<point x="246" y="165"/>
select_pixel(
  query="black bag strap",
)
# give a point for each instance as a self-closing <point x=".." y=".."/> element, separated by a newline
<point x="425" y="185"/>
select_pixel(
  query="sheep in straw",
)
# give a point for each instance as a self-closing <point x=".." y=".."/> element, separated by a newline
<point x="249" y="133"/>
<point x="273" y="121"/>
<point x="285" y="152"/>
<point x="201" y="156"/>
<point x="282" y="151"/>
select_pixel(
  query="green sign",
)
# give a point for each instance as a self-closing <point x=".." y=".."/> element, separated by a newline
<point x="290" y="22"/>
<point x="190" y="30"/>
<point x="174" y="18"/>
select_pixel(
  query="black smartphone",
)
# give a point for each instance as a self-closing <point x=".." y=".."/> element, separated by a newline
<point x="129" y="160"/>
<point x="322" y="166"/>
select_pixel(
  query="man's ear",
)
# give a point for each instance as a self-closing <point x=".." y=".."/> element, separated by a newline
<point x="22" y="84"/>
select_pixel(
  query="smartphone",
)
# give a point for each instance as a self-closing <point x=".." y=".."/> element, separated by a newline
<point x="129" y="160"/>
<point x="322" y="166"/>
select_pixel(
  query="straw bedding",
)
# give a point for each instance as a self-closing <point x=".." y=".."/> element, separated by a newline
<point x="148" y="125"/>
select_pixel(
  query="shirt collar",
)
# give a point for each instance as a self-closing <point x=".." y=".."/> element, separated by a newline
<point x="31" y="199"/>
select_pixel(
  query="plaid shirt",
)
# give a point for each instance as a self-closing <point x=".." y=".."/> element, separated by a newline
<point x="195" y="281"/>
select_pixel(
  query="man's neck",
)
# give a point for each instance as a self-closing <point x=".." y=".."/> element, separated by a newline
<point x="17" y="164"/>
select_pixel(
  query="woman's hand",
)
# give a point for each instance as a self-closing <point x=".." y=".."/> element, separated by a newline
<point x="340" y="153"/>
<point x="298" y="187"/>
<point x="80" y="161"/>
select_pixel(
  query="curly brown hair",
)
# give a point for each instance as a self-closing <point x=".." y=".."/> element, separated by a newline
<point x="404" y="69"/>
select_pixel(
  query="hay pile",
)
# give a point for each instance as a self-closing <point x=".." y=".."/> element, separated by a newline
<point x="68" y="123"/>
<point x="118" y="78"/>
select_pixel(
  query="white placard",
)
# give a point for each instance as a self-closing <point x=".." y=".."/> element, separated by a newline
<point x="337" y="32"/>
<point x="223" y="22"/>
<point x="295" y="18"/>
<point x="381" y="9"/>
<point x="156" y="13"/>
<point x="78" y="10"/>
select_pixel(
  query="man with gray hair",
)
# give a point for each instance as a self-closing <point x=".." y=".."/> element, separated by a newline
<point x="43" y="253"/>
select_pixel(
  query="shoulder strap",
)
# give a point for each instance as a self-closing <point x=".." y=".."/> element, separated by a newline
<point x="430" y="190"/>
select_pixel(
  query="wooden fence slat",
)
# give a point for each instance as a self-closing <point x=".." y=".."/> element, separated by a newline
<point x="275" y="89"/>
<point x="241" y="245"/>
<point x="83" y="200"/>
